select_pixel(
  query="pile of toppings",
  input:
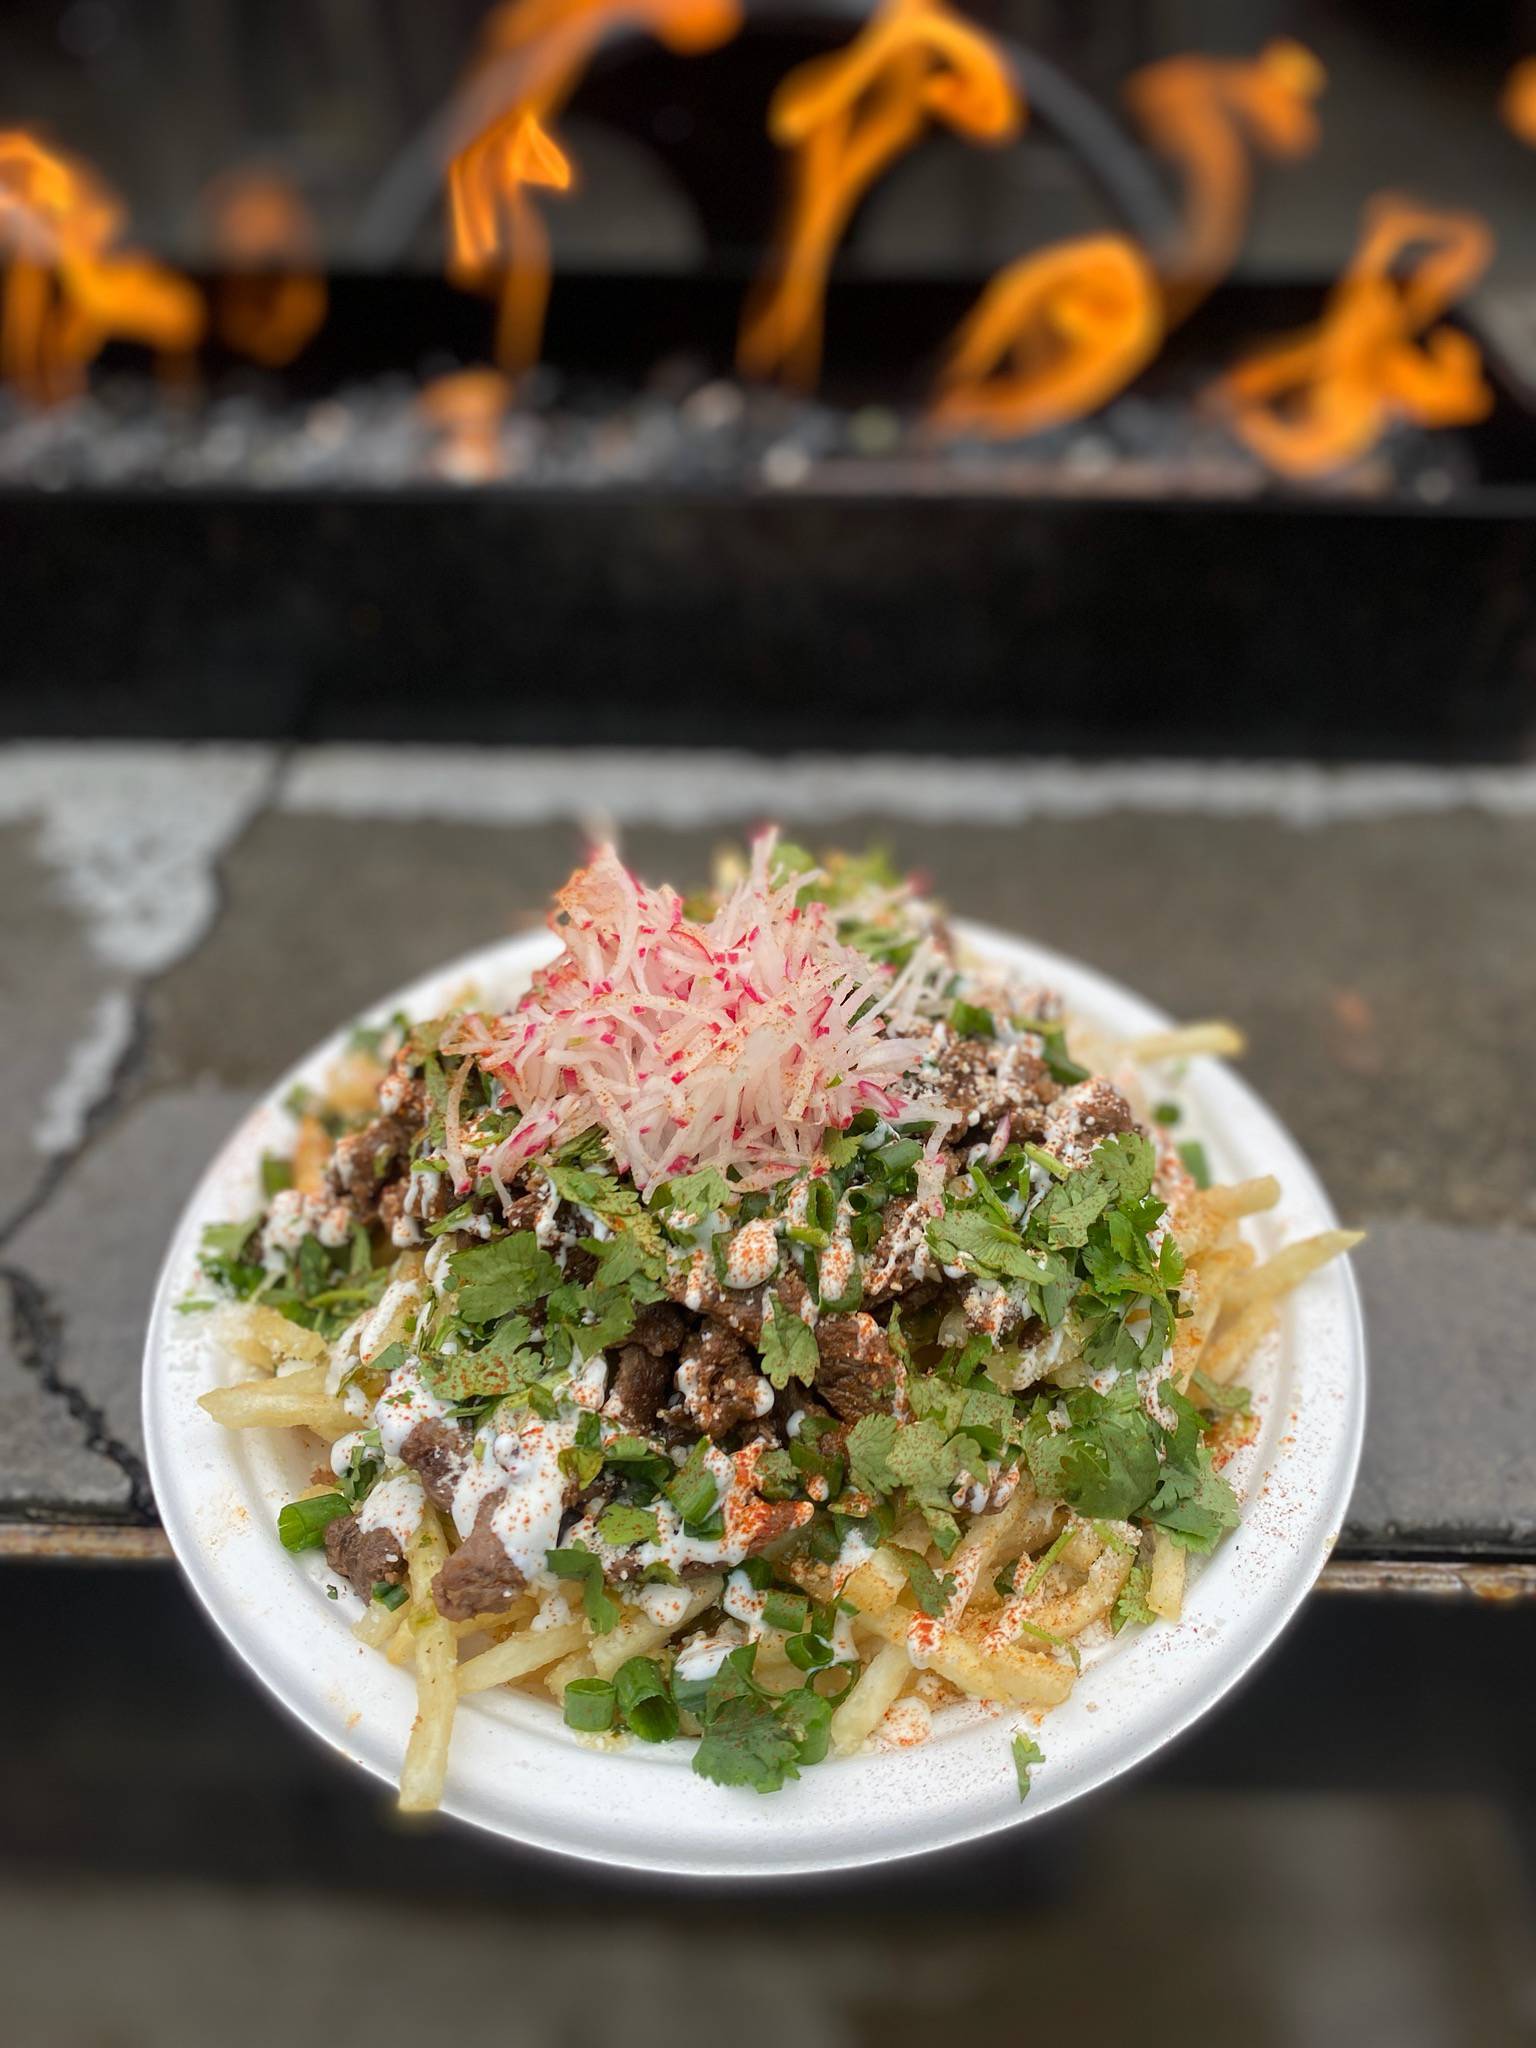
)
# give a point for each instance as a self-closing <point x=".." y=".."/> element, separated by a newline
<point x="758" y="1232"/>
<point x="737" y="1041"/>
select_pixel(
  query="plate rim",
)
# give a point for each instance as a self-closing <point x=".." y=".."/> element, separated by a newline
<point x="515" y="953"/>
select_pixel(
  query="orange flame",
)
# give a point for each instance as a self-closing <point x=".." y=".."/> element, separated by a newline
<point x="497" y="241"/>
<point x="68" y="290"/>
<point x="496" y="236"/>
<point x="1199" y="111"/>
<point x="847" y="118"/>
<point x="1517" y="103"/>
<point x="1052" y="337"/>
<point x="274" y="299"/>
<point x="1313" y="401"/>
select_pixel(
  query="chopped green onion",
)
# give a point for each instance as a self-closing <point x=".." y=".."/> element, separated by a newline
<point x="391" y="1596"/>
<point x="644" y="1704"/>
<point x="303" y="1523"/>
<point x="1166" y="1112"/>
<point x="693" y="1491"/>
<point x="1196" y="1165"/>
<point x="1047" y="1558"/>
<point x="808" y="1652"/>
<point x="787" y="1611"/>
<point x="276" y="1174"/>
<point x="590" y="1705"/>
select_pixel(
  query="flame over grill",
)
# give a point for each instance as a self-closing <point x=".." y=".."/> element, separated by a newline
<point x="847" y="118"/>
<point x="1318" y="399"/>
<point x="69" y="287"/>
<point x="1056" y="334"/>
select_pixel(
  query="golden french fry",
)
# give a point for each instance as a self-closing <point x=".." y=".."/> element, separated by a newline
<point x="260" y="1336"/>
<point x="311" y="1149"/>
<point x="1232" y="1199"/>
<point x="518" y="1656"/>
<point x="377" y="1625"/>
<point x="1020" y="1677"/>
<point x="352" y="1086"/>
<point x="877" y="1584"/>
<point x="1234" y="1342"/>
<point x="1165" y="1588"/>
<point x="879" y="1684"/>
<point x="402" y="1644"/>
<point x="637" y="1635"/>
<point x="296" y="1400"/>
<point x="559" y="1676"/>
<point x="1289" y="1267"/>
<point x="1186" y="1040"/>
<point x="426" y="1754"/>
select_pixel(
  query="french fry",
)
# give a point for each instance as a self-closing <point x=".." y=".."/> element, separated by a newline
<point x="1069" y="1598"/>
<point x="402" y="1644"/>
<point x="519" y="1656"/>
<point x="1233" y="1343"/>
<point x="352" y="1086"/>
<point x="311" y="1149"/>
<point x="377" y="1625"/>
<point x="1020" y="1677"/>
<point x="880" y="1682"/>
<point x="877" y="1584"/>
<point x="637" y="1635"/>
<point x="1165" y="1588"/>
<point x="426" y="1754"/>
<point x="1186" y="1040"/>
<point x="559" y="1676"/>
<point x="1290" y="1266"/>
<point x="988" y="1537"/>
<point x="260" y="1336"/>
<point x="296" y="1400"/>
<point x="1231" y="1199"/>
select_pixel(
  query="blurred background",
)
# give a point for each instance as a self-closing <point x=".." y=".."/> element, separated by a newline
<point x="1089" y="448"/>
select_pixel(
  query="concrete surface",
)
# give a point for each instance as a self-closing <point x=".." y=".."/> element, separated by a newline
<point x="1374" y="933"/>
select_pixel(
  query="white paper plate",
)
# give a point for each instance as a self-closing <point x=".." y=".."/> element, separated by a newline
<point x="516" y="1769"/>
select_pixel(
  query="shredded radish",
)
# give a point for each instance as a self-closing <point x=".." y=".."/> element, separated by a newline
<point x="739" y="1042"/>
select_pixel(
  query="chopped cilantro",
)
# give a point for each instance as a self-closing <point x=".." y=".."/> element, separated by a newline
<point x="752" y="1737"/>
<point x="506" y="1364"/>
<point x="1216" y="1399"/>
<point x="972" y="1022"/>
<point x="1026" y="1754"/>
<point x="621" y="1525"/>
<point x="693" y="1194"/>
<point x="870" y="1443"/>
<point x="494" y="1279"/>
<point x="1131" y="1601"/>
<point x="788" y="1347"/>
<point x="580" y="1563"/>
<point x="932" y="1593"/>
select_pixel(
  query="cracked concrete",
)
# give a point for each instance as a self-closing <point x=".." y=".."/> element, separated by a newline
<point x="1379" y="945"/>
<point x="52" y="1467"/>
<point x="91" y="1253"/>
